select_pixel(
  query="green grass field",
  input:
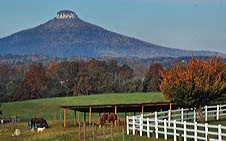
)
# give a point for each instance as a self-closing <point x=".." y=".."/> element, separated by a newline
<point x="50" y="108"/>
<point x="57" y="133"/>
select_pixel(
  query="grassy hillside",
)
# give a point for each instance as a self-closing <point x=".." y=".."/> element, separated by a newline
<point x="50" y="108"/>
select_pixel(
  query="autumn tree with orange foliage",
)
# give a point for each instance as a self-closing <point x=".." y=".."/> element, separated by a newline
<point x="53" y="67"/>
<point x="35" y="80"/>
<point x="195" y="84"/>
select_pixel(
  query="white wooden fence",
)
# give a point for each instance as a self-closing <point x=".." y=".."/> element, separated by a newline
<point x="179" y="129"/>
<point x="183" y="121"/>
<point x="190" y="114"/>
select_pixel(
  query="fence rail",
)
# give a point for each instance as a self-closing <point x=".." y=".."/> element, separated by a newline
<point x="175" y="129"/>
<point x="182" y="114"/>
<point x="180" y="123"/>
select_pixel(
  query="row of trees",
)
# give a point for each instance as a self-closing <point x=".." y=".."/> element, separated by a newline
<point x="10" y="79"/>
<point x="194" y="83"/>
<point x="74" y="78"/>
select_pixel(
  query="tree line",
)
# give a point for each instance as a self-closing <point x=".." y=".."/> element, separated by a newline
<point x="74" y="78"/>
<point x="195" y="83"/>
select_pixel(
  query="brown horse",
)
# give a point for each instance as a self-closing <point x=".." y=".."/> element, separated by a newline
<point x="109" y="117"/>
<point x="103" y="119"/>
<point x="39" y="121"/>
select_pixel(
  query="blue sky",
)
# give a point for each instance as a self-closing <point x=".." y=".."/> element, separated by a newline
<point x="184" y="24"/>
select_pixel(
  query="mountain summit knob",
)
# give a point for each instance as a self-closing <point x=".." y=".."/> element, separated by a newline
<point x="66" y="14"/>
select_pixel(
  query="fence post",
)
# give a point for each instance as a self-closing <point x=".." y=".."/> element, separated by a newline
<point x="60" y="120"/>
<point x="206" y="113"/>
<point x="185" y="132"/>
<point x="165" y="129"/>
<point x="79" y="130"/>
<point x="127" y="125"/>
<point x="206" y="131"/>
<point x="194" y="115"/>
<point x="174" y="130"/>
<point x="112" y="134"/>
<point x="182" y="114"/>
<point x="156" y="115"/>
<point x="220" y="111"/>
<point x="219" y="132"/>
<point x="169" y="117"/>
<point x="123" y="134"/>
<point x="142" y="115"/>
<point x="104" y="135"/>
<point x="141" y="125"/>
<point x="195" y="131"/>
<point x="156" y="125"/>
<point x="133" y="125"/>
<point x="84" y="123"/>
<point x="217" y="112"/>
<point x="148" y="131"/>
<point x="93" y="128"/>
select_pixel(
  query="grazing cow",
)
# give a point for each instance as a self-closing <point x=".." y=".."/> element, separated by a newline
<point x="39" y="122"/>
<point x="6" y="120"/>
<point x="40" y="129"/>
<point x="109" y="117"/>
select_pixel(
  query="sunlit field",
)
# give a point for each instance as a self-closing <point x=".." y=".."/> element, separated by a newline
<point x="50" y="108"/>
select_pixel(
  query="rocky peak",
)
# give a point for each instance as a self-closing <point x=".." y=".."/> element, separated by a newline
<point x="66" y="14"/>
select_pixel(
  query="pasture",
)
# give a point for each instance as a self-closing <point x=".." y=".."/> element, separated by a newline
<point x="50" y="109"/>
<point x="58" y="133"/>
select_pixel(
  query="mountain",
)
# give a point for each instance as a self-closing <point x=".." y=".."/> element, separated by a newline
<point x="67" y="35"/>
